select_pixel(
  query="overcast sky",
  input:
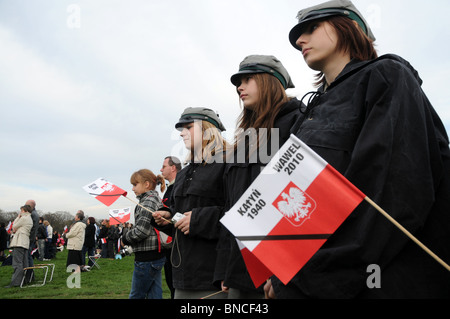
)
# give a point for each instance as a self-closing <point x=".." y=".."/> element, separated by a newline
<point x="93" y="89"/>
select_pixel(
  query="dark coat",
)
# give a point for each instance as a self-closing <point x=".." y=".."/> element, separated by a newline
<point x="167" y="197"/>
<point x="3" y="238"/>
<point x="375" y="125"/>
<point x="238" y="177"/>
<point x="197" y="188"/>
<point x="41" y="232"/>
<point x="89" y="236"/>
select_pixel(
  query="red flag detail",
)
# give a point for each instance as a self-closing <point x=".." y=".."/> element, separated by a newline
<point x="291" y="209"/>
<point x="104" y="191"/>
<point x="119" y="216"/>
<point x="335" y="198"/>
<point x="258" y="272"/>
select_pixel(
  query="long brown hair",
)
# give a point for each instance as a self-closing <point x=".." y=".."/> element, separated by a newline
<point x="271" y="96"/>
<point x="352" y="40"/>
<point x="146" y="175"/>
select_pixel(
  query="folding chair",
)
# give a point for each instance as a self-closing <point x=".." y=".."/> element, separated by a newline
<point x="45" y="271"/>
<point x="53" y="269"/>
<point x="93" y="259"/>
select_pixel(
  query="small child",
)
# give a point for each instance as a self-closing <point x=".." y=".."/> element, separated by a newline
<point x="149" y="259"/>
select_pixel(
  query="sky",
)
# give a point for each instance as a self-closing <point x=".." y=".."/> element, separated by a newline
<point x="92" y="89"/>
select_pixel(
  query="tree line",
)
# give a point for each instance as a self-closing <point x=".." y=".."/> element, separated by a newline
<point x="57" y="219"/>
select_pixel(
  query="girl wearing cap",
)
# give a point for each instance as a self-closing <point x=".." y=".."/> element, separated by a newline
<point x="263" y="126"/>
<point x="371" y="120"/>
<point x="198" y="195"/>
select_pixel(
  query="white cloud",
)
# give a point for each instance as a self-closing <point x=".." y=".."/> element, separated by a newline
<point x="101" y="100"/>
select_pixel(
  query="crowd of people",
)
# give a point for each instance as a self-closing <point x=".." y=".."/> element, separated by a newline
<point x="369" y="119"/>
<point x="30" y="237"/>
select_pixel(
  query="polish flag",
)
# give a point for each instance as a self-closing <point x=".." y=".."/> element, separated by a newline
<point x="9" y="227"/>
<point x="104" y="191"/>
<point x="258" y="272"/>
<point x="119" y="216"/>
<point x="291" y="209"/>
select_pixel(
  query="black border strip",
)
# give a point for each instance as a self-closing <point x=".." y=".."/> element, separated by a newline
<point x="285" y="237"/>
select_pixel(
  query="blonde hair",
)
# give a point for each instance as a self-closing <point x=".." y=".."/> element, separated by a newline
<point x="214" y="146"/>
<point x="146" y="175"/>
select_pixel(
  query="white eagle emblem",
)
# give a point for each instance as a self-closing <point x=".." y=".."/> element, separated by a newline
<point x="295" y="205"/>
<point x="108" y="187"/>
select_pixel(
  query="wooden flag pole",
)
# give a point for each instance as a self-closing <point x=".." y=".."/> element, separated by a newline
<point x="212" y="295"/>
<point x="115" y="218"/>
<point x="407" y="233"/>
<point x="170" y="222"/>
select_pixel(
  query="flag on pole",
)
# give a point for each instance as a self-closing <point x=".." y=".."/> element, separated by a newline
<point x="291" y="209"/>
<point x="104" y="191"/>
<point x="119" y="216"/>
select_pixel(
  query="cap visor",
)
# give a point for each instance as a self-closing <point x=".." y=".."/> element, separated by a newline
<point x="182" y="122"/>
<point x="236" y="78"/>
<point x="298" y="30"/>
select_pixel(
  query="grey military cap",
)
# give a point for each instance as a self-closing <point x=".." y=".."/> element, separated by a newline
<point x="263" y="64"/>
<point x="200" y="113"/>
<point x="328" y="9"/>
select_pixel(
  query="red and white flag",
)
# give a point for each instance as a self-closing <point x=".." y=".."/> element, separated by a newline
<point x="256" y="269"/>
<point x="119" y="216"/>
<point x="9" y="227"/>
<point x="104" y="191"/>
<point x="291" y="209"/>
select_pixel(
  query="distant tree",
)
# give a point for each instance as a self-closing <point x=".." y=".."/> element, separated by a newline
<point x="59" y="219"/>
<point x="6" y="217"/>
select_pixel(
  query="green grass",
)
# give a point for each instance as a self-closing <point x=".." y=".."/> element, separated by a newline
<point x="111" y="281"/>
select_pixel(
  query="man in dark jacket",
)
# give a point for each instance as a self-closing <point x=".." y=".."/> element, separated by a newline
<point x="41" y="235"/>
<point x="171" y="166"/>
<point x="89" y="241"/>
<point x="35" y="218"/>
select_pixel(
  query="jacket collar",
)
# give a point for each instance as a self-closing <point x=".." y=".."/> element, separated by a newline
<point x="149" y="193"/>
<point x="355" y="65"/>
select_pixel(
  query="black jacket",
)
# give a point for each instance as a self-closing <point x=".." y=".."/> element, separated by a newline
<point x="375" y="125"/>
<point x="238" y="177"/>
<point x="89" y="236"/>
<point x="197" y="188"/>
<point x="167" y="196"/>
<point x="41" y="232"/>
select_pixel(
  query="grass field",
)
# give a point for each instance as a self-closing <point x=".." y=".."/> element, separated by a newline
<point x="111" y="281"/>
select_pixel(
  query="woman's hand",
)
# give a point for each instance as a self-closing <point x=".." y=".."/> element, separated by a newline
<point x="183" y="223"/>
<point x="224" y="288"/>
<point x="161" y="217"/>
<point x="269" y="293"/>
